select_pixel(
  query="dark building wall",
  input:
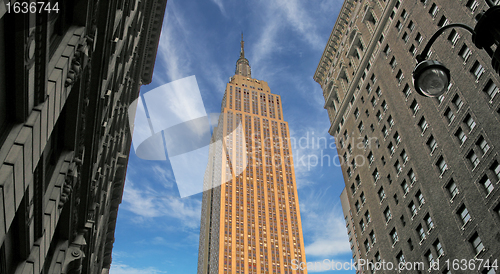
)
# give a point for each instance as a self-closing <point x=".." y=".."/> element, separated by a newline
<point x="66" y="81"/>
<point x="376" y="84"/>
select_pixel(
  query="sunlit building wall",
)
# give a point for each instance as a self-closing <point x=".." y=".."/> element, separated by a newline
<point x="250" y="212"/>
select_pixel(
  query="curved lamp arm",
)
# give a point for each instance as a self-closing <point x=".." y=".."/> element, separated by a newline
<point x="421" y="57"/>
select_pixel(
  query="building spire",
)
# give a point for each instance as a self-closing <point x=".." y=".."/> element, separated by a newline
<point x="242" y="52"/>
<point x="242" y="65"/>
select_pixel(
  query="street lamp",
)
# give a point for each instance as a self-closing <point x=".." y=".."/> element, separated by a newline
<point x="431" y="78"/>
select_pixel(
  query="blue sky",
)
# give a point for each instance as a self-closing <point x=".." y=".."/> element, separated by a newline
<point x="157" y="231"/>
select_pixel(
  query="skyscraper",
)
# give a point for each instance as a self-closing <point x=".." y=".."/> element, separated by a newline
<point x="250" y="211"/>
<point x="421" y="174"/>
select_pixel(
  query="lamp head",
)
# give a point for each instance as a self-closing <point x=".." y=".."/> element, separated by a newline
<point x="431" y="78"/>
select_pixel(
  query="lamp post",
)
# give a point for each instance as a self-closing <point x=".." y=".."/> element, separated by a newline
<point x="431" y="77"/>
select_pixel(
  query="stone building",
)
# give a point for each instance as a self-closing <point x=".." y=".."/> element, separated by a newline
<point x="421" y="174"/>
<point x="68" y="72"/>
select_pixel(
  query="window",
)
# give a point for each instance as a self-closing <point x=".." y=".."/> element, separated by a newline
<point x="400" y="257"/>
<point x="362" y="225"/>
<point x="420" y="198"/>
<point x="428" y="222"/>
<point x="394" y="236"/>
<point x="396" y="199"/>
<point x="373" y="101"/>
<point x="477" y="69"/>
<point x="406" y="90"/>
<point x="375" y="175"/>
<point x="410" y="244"/>
<point x="384" y="106"/>
<point x="367" y="246"/>
<point x="457" y="101"/>
<point x="440" y="98"/>
<point x="460" y="134"/>
<point x="349" y="172"/>
<point x="381" y="194"/>
<point x="495" y="167"/>
<point x="472" y="5"/>
<point x="470" y="122"/>
<point x="405" y="187"/>
<point x="363" y="198"/>
<point x="433" y="10"/>
<point x="373" y="78"/>
<point x="367" y="216"/>
<point x="491" y="89"/>
<point x="413" y="208"/>
<point x="356" y="113"/>
<point x="473" y="159"/>
<point x="453" y="37"/>
<point x="353" y="189"/>
<point x="372" y="237"/>
<point x="357" y="205"/>
<point x="358" y="181"/>
<point x="431" y="143"/>
<point x="368" y="88"/>
<point x="449" y="115"/>
<point x="443" y="21"/>
<point x="486" y="183"/>
<point x="404" y="14"/>
<point x="412" y="176"/>
<point x="390" y="121"/>
<point x="385" y="132"/>
<point x="419" y="38"/>
<point x="400" y="76"/>
<point x="463" y="213"/>
<point x="378" y="91"/>
<point x="439" y="248"/>
<point x="452" y="188"/>
<point x="404" y="156"/>
<point x="349" y="149"/>
<point x="465" y="52"/>
<point x="441" y="164"/>
<point x="477" y="244"/>
<point x="405" y="37"/>
<point x="371" y="158"/>
<point x="414" y="107"/>
<point x="483" y="145"/>
<point x="420" y="232"/>
<point x="412" y="50"/>
<point x="387" y="214"/>
<point x="361" y="127"/>
<point x="397" y="138"/>
<point x="422" y="124"/>
<point x="411" y="26"/>
<point x="393" y="63"/>
<point x="398" y="25"/>
<point x="379" y="115"/>
<point x="391" y="148"/>
<point x="429" y="257"/>
<point x="398" y="167"/>
<point x="386" y="50"/>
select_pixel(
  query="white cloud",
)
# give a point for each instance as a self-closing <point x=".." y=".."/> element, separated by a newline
<point x="147" y="203"/>
<point x="325" y="225"/>
<point x="221" y="6"/>
<point x="118" y="268"/>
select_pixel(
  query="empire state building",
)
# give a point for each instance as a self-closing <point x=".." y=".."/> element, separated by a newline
<point x="250" y="219"/>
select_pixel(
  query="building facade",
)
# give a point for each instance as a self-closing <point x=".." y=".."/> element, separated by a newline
<point x="421" y="174"/>
<point x="250" y="212"/>
<point x="68" y="72"/>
